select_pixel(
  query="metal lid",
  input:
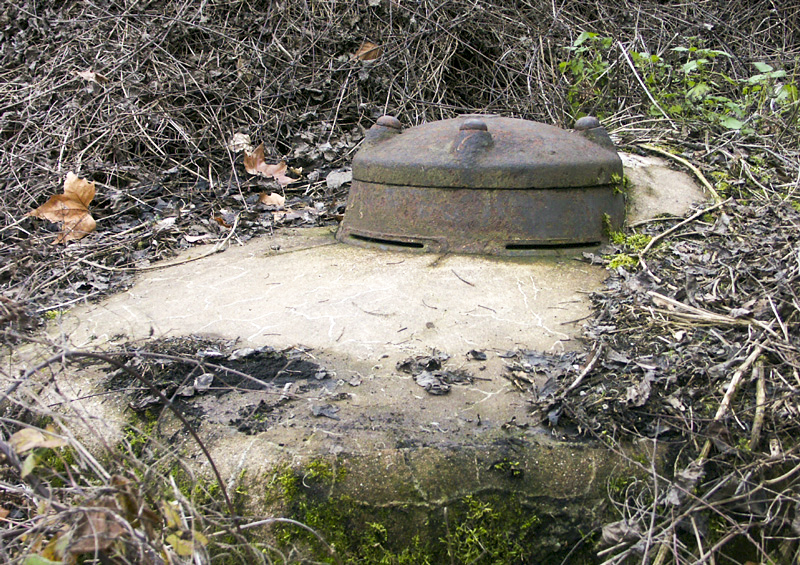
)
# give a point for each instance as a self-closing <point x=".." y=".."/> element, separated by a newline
<point x="485" y="152"/>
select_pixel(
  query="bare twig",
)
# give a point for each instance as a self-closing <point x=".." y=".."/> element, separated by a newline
<point x="598" y="353"/>
<point x="643" y="85"/>
<point x="679" y="225"/>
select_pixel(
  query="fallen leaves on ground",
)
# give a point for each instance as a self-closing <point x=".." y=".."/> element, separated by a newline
<point x="255" y="164"/>
<point x="70" y="209"/>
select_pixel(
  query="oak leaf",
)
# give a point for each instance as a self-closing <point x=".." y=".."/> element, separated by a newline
<point x="98" y="528"/>
<point x="70" y="209"/>
<point x="255" y="164"/>
<point x="368" y="52"/>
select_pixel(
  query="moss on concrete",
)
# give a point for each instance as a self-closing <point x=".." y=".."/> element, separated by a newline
<point x="503" y="521"/>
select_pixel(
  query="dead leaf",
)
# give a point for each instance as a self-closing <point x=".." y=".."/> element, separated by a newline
<point x="368" y="52"/>
<point x="336" y="179"/>
<point x="684" y="483"/>
<point x="28" y="465"/>
<point x="31" y="438"/>
<point x="637" y="395"/>
<point x="240" y="142"/>
<point x="255" y="164"/>
<point x="171" y="516"/>
<point x="182" y="547"/>
<point x="98" y="528"/>
<point x="326" y="410"/>
<point x="196" y="238"/>
<point x="272" y="199"/>
<point x="70" y="209"/>
<point x="619" y="532"/>
<point x="92" y="76"/>
<point x="4" y="512"/>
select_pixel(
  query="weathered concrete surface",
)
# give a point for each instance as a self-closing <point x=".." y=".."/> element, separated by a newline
<point x="359" y="312"/>
<point x="656" y="188"/>
<point x="360" y="302"/>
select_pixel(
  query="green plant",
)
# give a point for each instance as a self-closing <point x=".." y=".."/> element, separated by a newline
<point x="621" y="183"/>
<point x="622" y="260"/>
<point x="722" y="183"/>
<point x="634" y="242"/>
<point x="690" y="83"/>
<point x="484" y="535"/>
<point x="136" y="438"/>
<point x="587" y="68"/>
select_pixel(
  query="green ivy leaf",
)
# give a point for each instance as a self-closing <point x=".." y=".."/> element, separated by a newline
<point x="698" y="91"/>
<point x="690" y="66"/>
<point x="788" y="92"/>
<point x="731" y="123"/>
<point x="583" y="37"/>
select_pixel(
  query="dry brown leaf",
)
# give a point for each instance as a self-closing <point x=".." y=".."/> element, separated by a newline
<point x="368" y="52"/>
<point x="255" y="164"/>
<point x="31" y="438"/>
<point x="92" y="76"/>
<point x="98" y="528"/>
<point x="4" y="512"/>
<point x="70" y="209"/>
<point x="272" y="199"/>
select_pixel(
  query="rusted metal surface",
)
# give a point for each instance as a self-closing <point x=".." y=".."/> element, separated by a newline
<point x="483" y="184"/>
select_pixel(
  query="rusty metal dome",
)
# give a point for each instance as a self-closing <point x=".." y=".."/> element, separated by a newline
<point x="483" y="184"/>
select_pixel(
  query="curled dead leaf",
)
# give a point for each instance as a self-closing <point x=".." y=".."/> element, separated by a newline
<point x="255" y="164"/>
<point x="92" y="76"/>
<point x="70" y="209"/>
<point x="240" y="142"/>
<point x="272" y="199"/>
<point x="368" y="52"/>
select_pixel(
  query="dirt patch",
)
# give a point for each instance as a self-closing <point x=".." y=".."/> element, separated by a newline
<point x="211" y="379"/>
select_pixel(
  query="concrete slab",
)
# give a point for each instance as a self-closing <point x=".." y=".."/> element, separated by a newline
<point x="303" y="288"/>
<point x="358" y="312"/>
<point x="656" y="188"/>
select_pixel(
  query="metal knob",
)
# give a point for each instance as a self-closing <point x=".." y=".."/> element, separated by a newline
<point x="389" y="122"/>
<point x="473" y="124"/>
<point x="587" y="122"/>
